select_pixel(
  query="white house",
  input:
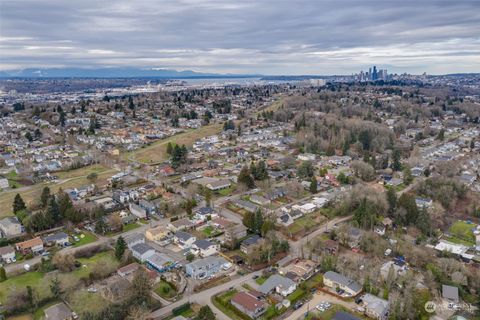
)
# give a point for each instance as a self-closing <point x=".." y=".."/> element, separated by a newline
<point x="138" y="211"/>
<point x="204" y="248"/>
<point x="184" y="239"/>
<point x="282" y="285"/>
<point x="7" y="253"/>
<point x="142" y="251"/>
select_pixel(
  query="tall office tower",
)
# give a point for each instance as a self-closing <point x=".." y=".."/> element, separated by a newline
<point x="370" y="74"/>
<point x="374" y="74"/>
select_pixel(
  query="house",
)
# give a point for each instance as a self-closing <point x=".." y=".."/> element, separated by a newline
<point x="120" y="196"/>
<point x="262" y="201"/>
<point x="375" y="307"/>
<point x="184" y="239"/>
<point x="354" y="237"/>
<point x="342" y="315"/>
<point x="57" y="239"/>
<point x="59" y="311"/>
<point x="319" y="202"/>
<point x="279" y="284"/>
<point x="7" y="253"/>
<point x="128" y="269"/>
<point x="206" y="267"/>
<point x="330" y="246"/>
<point x="285" y="219"/>
<point x="157" y="233"/>
<point x="180" y="224"/>
<point x="423" y="203"/>
<point x="450" y="293"/>
<point x="218" y="185"/>
<point x="134" y="239"/>
<point x="300" y="270"/>
<point x="246" y="205"/>
<point x="391" y="265"/>
<point x="248" y="304"/>
<point x="11" y="227"/>
<point x="33" y="246"/>
<point x="205" y="248"/>
<point x="149" y="207"/>
<point x="204" y="213"/>
<point x="247" y="246"/>
<point x="235" y="232"/>
<point x="275" y="194"/>
<point x="160" y="262"/>
<point x="394" y="182"/>
<point x="305" y="208"/>
<point x="337" y="281"/>
<point x="142" y="251"/>
<point x="137" y="211"/>
<point x="167" y="171"/>
<point x="417" y="171"/>
<point x="4" y="183"/>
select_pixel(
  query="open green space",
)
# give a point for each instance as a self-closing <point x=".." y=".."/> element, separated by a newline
<point x="463" y="231"/>
<point x="260" y="280"/>
<point x="31" y="279"/>
<point x="88" y="237"/>
<point x="165" y="290"/>
<point x="157" y="151"/>
<point x="67" y="179"/>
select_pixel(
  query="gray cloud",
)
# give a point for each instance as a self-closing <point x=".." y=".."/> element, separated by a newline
<point x="272" y="37"/>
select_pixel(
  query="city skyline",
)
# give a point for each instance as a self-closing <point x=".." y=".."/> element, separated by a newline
<point x="436" y="37"/>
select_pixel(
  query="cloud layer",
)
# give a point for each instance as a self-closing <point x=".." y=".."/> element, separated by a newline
<point x="270" y="37"/>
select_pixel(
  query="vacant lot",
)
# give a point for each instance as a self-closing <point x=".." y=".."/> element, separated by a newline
<point x="463" y="231"/>
<point x="67" y="179"/>
<point x="157" y="151"/>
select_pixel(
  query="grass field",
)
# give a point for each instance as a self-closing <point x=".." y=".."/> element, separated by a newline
<point x="88" y="238"/>
<point x="165" y="290"/>
<point x="82" y="298"/>
<point x="69" y="179"/>
<point x="463" y="231"/>
<point x="32" y="279"/>
<point x="157" y="151"/>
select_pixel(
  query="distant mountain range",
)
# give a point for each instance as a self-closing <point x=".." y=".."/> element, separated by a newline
<point x="114" y="73"/>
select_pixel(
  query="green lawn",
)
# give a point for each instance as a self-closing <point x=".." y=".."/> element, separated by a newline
<point x="32" y="279"/>
<point x="296" y="295"/>
<point x="227" y="191"/>
<point x="306" y="222"/>
<point x="165" y="290"/>
<point x="81" y="299"/>
<point x="127" y="227"/>
<point x="463" y="231"/>
<point x="88" y="238"/>
<point x="260" y="280"/>
<point x="222" y="302"/>
<point x="103" y="258"/>
<point x="207" y="231"/>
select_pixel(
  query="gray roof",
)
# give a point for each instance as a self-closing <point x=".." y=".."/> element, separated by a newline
<point x="341" y="315"/>
<point x="60" y="311"/>
<point x="6" y="249"/>
<point x="10" y="221"/>
<point x="251" y="241"/>
<point x="275" y="281"/>
<point x="134" y="237"/>
<point x="450" y="292"/>
<point x="159" y="259"/>
<point x="56" y="237"/>
<point x="200" y="263"/>
<point x="341" y="279"/>
<point x="142" y="248"/>
<point x="203" y="244"/>
<point x="184" y="236"/>
<point x="375" y="303"/>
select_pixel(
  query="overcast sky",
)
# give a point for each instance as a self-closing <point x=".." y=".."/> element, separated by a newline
<point x="269" y="37"/>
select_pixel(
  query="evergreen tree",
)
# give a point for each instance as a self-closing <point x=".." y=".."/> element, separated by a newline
<point x="55" y="287"/>
<point x="53" y="209"/>
<point x="258" y="222"/>
<point x="120" y="248"/>
<point x="45" y="196"/>
<point x="249" y="220"/>
<point x="396" y="164"/>
<point x="392" y="200"/>
<point x="205" y="313"/>
<point x="313" y="185"/>
<point x="18" y="204"/>
<point x="169" y="148"/>
<point x="245" y="178"/>
<point x="3" y="274"/>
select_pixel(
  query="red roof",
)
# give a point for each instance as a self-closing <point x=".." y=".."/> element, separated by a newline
<point x="247" y="301"/>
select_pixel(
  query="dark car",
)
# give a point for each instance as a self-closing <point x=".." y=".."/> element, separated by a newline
<point x="297" y="305"/>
